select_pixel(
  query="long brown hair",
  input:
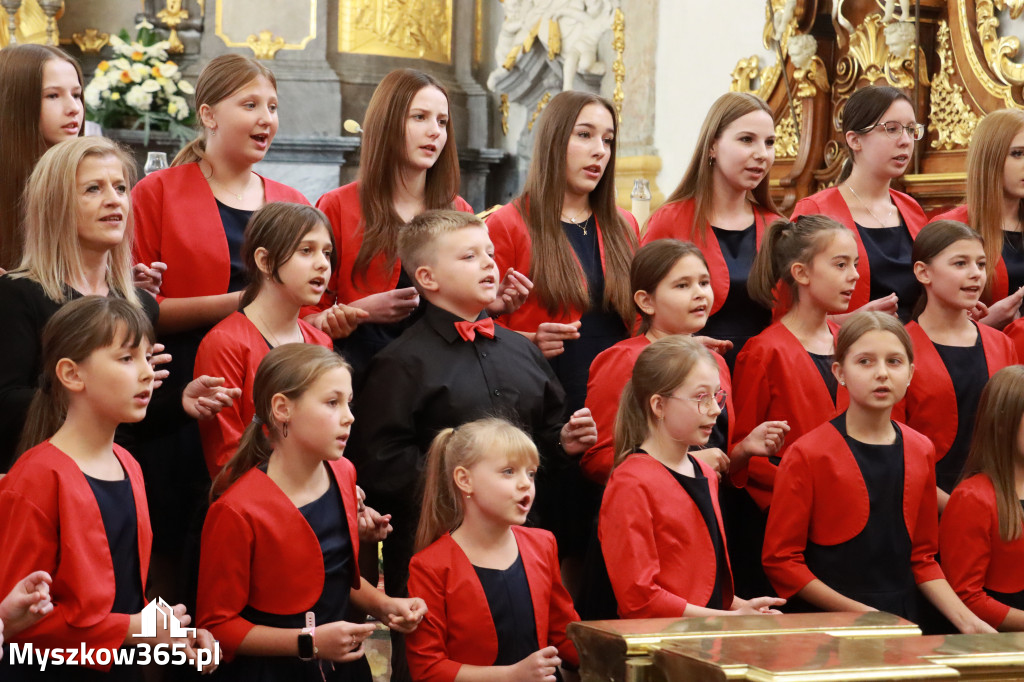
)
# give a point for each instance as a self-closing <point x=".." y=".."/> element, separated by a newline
<point x="21" y="141"/>
<point x="223" y="76"/>
<point x="52" y="254"/>
<point x="698" y="180"/>
<point x="290" y="369"/>
<point x="933" y="239"/>
<point x="78" y="329"/>
<point x="556" y="272"/>
<point x="994" y="447"/>
<point x="660" y="369"/>
<point x="279" y="227"/>
<point x="863" y="110"/>
<point x="383" y="153"/>
<point x="986" y="159"/>
<point x="785" y="243"/>
<point x="442" y="508"/>
<point x="652" y="263"/>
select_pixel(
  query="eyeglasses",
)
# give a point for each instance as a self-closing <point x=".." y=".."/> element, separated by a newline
<point x="706" y="400"/>
<point x="895" y="129"/>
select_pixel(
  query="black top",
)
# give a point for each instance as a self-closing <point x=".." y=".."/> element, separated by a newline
<point x="740" y="318"/>
<point x="969" y="372"/>
<point x="600" y="328"/>
<point x="430" y="379"/>
<point x="25" y="309"/>
<point x="699" y="490"/>
<point x="326" y="516"/>
<point x="720" y="433"/>
<point x="824" y="365"/>
<point x="234" y="221"/>
<point x="508" y="598"/>
<point x="117" y="507"/>
<point x="873" y="567"/>
<point x="889" y="252"/>
<point x="1013" y="257"/>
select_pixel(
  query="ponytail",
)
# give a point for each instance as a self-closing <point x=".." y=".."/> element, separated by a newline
<point x="783" y="244"/>
<point x="442" y="509"/>
<point x="631" y="428"/>
<point x="288" y="370"/>
<point x="45" y="415"/>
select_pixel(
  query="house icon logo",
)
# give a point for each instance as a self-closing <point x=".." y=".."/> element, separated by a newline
<point x="158" y="613"/>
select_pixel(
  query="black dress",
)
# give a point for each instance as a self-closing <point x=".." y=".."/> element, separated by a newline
<point x="969" y="372"/>
<point x="740" y="318"/>
<point x="1013" y="258"/>
<point x="326" y="516"/>
<point x="889" y="252"/>
<point x="508" y="598"/>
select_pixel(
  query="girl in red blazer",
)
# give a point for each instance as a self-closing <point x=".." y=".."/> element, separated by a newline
<point x="955" y="355"/>
<point x="279" y="560"/>
<point x="660" y="526"/>
<point x="853" y="525"/>
<point x="74" y="504"/>
<point x="673" y="293"/>
<point x="880" y="128"/>
<point x="723" y="205"/>
<point x="995" y="208"/>
<point x="289" y="255"/>
<point x="496" y="606"/>
<point x="981" y="534"/>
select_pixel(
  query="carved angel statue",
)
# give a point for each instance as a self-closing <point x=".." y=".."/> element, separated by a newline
<point x="783" y="17"/>
<point x="801" y="49"/>
<point x="581" y="25"/>
<point x="509" y="40"/>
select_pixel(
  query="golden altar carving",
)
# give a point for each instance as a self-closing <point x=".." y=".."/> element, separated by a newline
<point x="416" y="29"/>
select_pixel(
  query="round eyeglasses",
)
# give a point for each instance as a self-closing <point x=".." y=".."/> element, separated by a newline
<point x="895" y="129"/>
<point x="706" y="400"/>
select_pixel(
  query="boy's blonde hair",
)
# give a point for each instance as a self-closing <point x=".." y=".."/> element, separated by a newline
<point x="417" y="240"/>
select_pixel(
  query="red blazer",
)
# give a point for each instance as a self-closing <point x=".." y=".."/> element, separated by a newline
<point x="233" y="349"/>
<point x="675" y="221"/>
<point x="513" y="249"/>
<point x="777" y="379"/>
<point x="609" y="372"/>
<point x="930" y="403"/>
<point x="820" y="497"/>
<point x="50" y="520"/>
<point x="1000" y="280"/>
<point x="342" y="207"/>
<point x="258" y="551"/>
<point x="1015" y="330"/>
<point x="458" y="629"/>
<point x="657" y="548"/>
<point x="831" y="203"/>
<point x="177" y="222"/>
<point x="974" y="555"/>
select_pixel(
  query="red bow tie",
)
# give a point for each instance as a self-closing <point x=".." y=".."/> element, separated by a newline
<point x="468" y="330"/>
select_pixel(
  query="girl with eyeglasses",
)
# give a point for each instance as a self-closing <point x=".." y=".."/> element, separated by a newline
<point x="995" y="209"/>
<point x="880" y="128"/>
<point x="660" y="525"/>
<point x="853" y="525"/>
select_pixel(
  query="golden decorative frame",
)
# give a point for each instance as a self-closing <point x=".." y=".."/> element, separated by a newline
<point x="255" y="42"/>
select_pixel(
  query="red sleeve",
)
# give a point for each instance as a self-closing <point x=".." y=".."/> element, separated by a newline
<point x="30" y="537"/>
<point x="806" y="206"/>
<point x="752" y="399"/>
<point x="224" y="576"/>
<point x="503" y="235"/>
<point x="789" y="522"/>
<point x="608" y="376"/>
<point x="630" y="548"/>
<point x="561" y="611"/>
<point x="147" y="203"/>
<point x="925" y="534"/>
<point x="425" y="647"/>
<point x="220" y="355"/>
<point x="661" y="226"/>
<point x="1015" y="330"/>
<point x="967" y="531"/>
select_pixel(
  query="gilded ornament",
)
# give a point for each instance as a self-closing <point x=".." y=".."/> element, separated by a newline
<point x="90" y="41"/>
<point x="513" y="56"/>
<point x="951" y="117"/>
<point x="811" y="80"/>
<point x="1000" y="50"/>
<point x="478" y="33"/>
<point x="504" y="113"/>
<point x="787" y="142"/>
<point x="554" y="39"/>
<point x="172" y="15"/>
<point x="997" y="88"/>
<point x="744" y="74"/>
<point x="540" y="107"/>
<point x="870" y="57"/>
<point x="414" y="29"/>
<point x="266" y="45"/>
<point x="835" y="156"/>
<point x="619" y="66"/>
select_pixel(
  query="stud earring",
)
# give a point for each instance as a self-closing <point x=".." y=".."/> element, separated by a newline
<point x="842" y="382"/>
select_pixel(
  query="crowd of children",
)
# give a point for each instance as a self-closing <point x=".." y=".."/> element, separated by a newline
<point x="729" y="413"/>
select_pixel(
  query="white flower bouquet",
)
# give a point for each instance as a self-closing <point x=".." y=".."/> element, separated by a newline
<point x="139" y="87"/>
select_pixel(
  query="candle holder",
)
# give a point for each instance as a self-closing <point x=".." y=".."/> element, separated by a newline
<point x="11" y="7"/>
<point x="50" y="9"/>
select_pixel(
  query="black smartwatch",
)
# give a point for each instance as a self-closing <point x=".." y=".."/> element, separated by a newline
<point x="307" y="652"/>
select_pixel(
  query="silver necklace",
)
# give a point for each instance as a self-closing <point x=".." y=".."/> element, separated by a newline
<point x="881" y="223"/>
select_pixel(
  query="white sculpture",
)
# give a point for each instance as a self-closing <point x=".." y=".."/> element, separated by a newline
<point x="801" y="49"/>
<point x="840" y="21"/>
<point x="581" y="25"/>
<point x="899" y="37"/>
<point x="890" y="10"/>
<point x="783" y="17"/>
